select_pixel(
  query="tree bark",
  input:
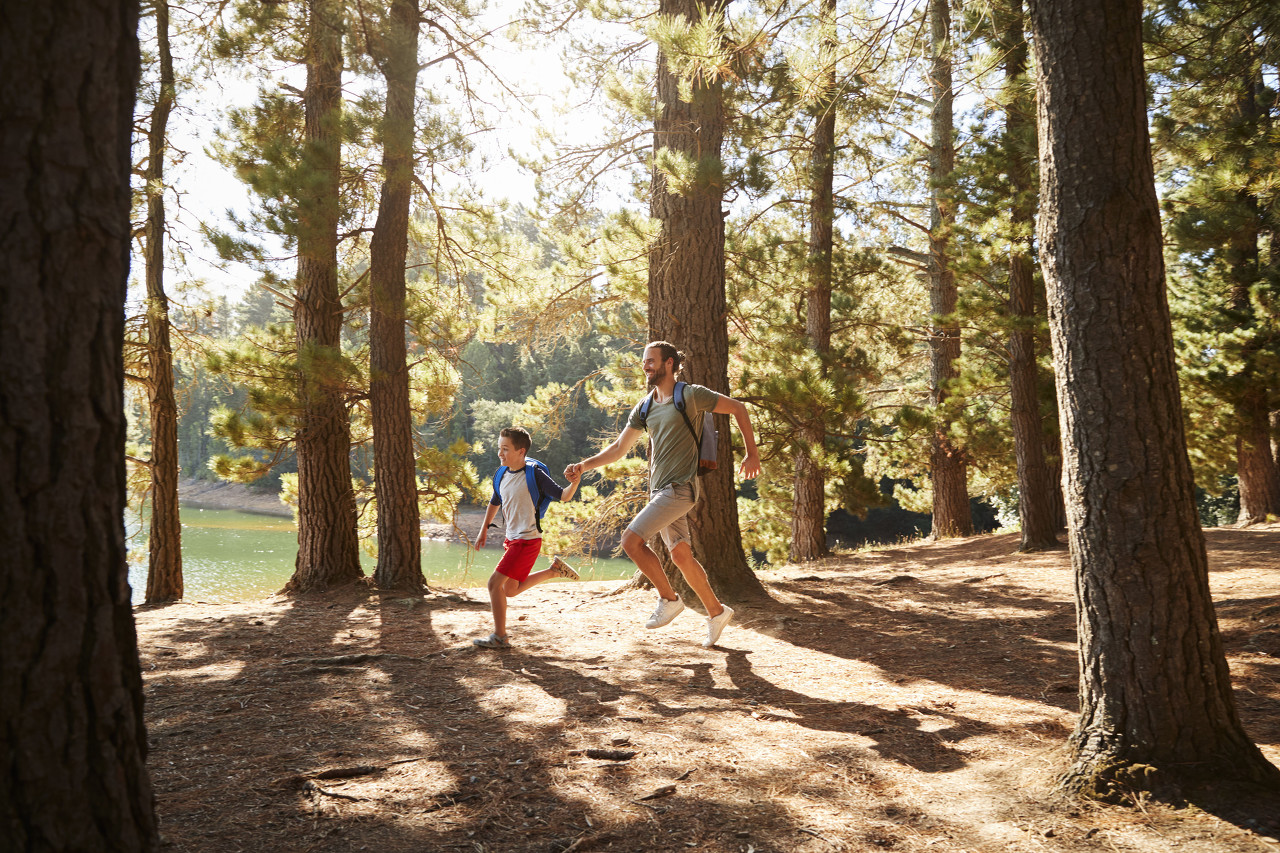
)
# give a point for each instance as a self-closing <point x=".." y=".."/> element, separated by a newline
<point x="1256" y="468"/>
<point x="951" y="516"/>
<point x="328" y="548"/>
<point x="164" y="569"/>
<point x="1156" y="710"/>
<point x="396" y="480"/>
<point x="1037" y="508"/>
<point x="809" y="504"/>
<point x="686" y="292"/>
<point x="71" y="720"/>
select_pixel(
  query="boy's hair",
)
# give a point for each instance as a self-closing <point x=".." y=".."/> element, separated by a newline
<point x="669" y="351"/>
<point x="519" y="436"/>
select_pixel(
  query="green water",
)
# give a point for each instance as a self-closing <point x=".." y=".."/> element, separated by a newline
<point x="239" y="556"/>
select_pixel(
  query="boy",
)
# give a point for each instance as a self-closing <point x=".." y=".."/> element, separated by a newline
<point x="523" y="538"/>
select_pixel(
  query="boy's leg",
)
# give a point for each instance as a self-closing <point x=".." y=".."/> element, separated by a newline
<point x="500" y="587"/>
<point x="553" y="573"/>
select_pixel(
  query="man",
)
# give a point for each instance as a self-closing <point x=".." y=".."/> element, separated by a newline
<point x="673" y="481"/>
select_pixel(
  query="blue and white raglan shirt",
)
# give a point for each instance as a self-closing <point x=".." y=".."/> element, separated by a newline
<point x="517" y="504"/>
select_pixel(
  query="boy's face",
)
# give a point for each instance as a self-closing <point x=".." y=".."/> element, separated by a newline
<point x="509" y="454"/>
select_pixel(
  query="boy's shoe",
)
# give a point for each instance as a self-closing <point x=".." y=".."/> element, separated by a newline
<point x="563" y="569"/>
<point x="715" y="624"/>
<point x="667" y="610"/>
<point x="493" y="641"/>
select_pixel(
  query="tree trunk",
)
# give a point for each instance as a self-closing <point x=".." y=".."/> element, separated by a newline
<point x="951" y="516"/>
<point x="1156" y="709"/>
<point x="1256" y="468"/>
<point x="328" y="552"/>
<point x="71" y="718"/>
<point x="164" y="570"/>
<point x="396" y="477"/>
<point x="809" y="504"/>
<point x="687" y="297"/>
<point x="1036" y="505"/>
<point x="1256" y="471"/>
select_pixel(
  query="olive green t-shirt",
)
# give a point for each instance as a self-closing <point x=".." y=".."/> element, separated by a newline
<point x="674" y="451"/>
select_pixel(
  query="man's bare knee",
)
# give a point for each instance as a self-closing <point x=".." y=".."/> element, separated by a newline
<point x="682" y="554"/>
<point x="632" y="542"/>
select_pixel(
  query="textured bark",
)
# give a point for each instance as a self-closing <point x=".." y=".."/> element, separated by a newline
<point x="396" y="482"/>
<point x="1256" y="468"/>
<point x="74" y="775"/>
<point x="809" y="505"/>
<point x="164" y="569"/>
<point x="951" y="516"/>
<point x="327" y="544"/>
<point x="687" y="297"/>
<point x="1037" y="507"/>
<point x="1156" y="709"/>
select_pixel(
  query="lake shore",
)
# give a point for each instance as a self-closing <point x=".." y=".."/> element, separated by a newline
<point x="207" y="494"/>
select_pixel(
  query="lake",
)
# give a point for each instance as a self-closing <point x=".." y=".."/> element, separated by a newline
<point x="238" y="556"/>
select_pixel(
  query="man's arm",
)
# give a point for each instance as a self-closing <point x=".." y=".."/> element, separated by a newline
<point x="729" y="406"/>
<point x="615" y="451"/>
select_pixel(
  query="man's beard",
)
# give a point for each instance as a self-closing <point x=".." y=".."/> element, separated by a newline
<point x="657" y="376"/>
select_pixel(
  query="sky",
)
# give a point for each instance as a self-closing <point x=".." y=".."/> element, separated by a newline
<point x="204" y="189"/>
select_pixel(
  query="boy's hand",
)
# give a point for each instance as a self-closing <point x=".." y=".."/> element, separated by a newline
<point x="750" y="466"/>
<point x="573" y="471"/>
<point x="482" y="537"/>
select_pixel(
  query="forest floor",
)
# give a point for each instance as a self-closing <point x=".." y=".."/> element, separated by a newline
<point x="913" y="698"/>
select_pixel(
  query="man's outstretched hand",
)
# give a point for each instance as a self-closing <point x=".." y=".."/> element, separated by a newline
<point x="750" y="467"/>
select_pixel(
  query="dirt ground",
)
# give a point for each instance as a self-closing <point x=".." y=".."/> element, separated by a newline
<point x="915" y="698"/>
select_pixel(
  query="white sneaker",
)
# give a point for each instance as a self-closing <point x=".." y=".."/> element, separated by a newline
<point x="563" y="569"/>
<point x="666" y="611"/>
<point x="715" y="624"/>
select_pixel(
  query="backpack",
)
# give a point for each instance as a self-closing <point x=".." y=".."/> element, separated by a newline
<point x="540" y="501"/>
<point x="708" y="440"/>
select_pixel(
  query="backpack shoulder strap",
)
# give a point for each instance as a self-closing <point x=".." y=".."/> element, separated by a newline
<point x="678" y="396"/>
<point x="644" y="409"/>
<point x="497" y="481"/>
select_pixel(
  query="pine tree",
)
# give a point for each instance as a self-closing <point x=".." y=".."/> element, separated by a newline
<point x="947" y="462"/>
<point x="71" y="701"/>
<point x="1216" y="126"/>
<point x="164" y="568"/>
<point x="1156" y="707"/>
<point x="395" y="49"/>
<point x="686" y="302"/>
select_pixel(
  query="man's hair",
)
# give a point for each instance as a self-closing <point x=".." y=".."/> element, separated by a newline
<point x="669" y="351"/>
<point x="519" y="437"/>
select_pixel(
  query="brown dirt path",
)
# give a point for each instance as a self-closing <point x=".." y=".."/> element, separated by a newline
<point x="915" y="698"/>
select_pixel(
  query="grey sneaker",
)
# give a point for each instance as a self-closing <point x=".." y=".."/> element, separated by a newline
<point x="563" y="569"/>
<point x="493" y="641"/>
<point x="666" y="611"/>
<point x="715" y="624"/>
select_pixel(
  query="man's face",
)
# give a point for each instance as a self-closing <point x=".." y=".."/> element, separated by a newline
<point x="655" y="369"/>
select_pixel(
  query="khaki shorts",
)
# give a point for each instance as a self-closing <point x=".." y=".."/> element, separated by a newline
<point x="666" y="513"/>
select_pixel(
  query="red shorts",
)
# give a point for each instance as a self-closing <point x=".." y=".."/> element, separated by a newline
<point x="518" y="561"/>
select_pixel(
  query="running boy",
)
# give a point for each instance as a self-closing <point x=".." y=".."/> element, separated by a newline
<point x="523" y="538"/>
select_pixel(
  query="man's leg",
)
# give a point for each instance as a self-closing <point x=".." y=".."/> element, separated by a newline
<point x="648" y="563"/>
<point x="696" y="576"/>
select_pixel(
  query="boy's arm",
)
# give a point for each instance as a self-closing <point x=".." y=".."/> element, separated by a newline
<point x="570" y="490"/>
<point x="729" y="406"/>
<point x="483" y="535"/>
